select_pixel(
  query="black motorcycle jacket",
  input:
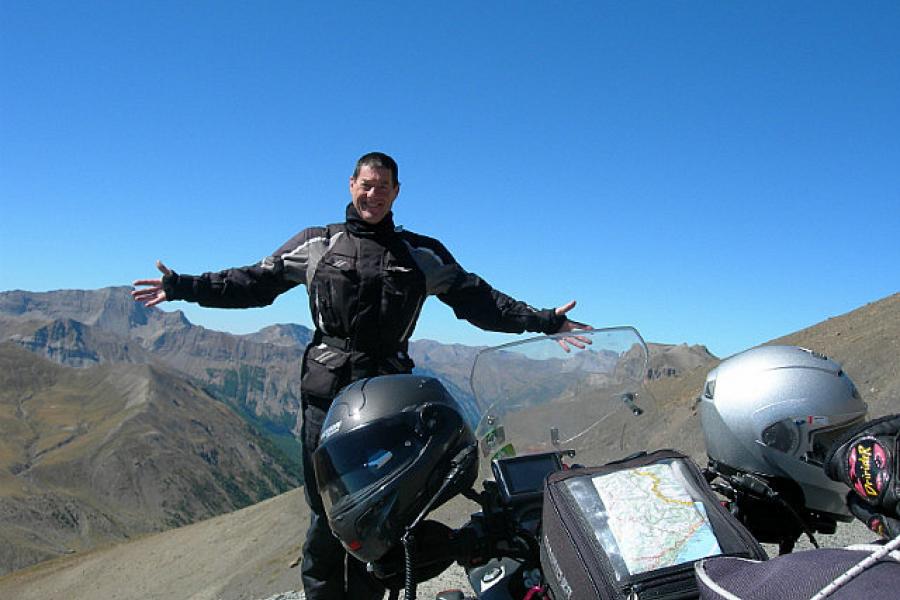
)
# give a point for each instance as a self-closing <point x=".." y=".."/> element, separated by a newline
<point x="366" y="286"/>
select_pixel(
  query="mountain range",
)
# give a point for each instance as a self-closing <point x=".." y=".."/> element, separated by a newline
<point x="119" y="420"/>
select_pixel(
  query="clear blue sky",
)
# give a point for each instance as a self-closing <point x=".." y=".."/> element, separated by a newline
<point x="710" y="172"/>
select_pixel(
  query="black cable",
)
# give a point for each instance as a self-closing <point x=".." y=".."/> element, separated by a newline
<point x="806" y="529"/>
<point x="409" y="587"/>
<point x="457" y="466"/>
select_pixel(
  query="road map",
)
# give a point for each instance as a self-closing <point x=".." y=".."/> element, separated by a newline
<point x="654" y="521"/>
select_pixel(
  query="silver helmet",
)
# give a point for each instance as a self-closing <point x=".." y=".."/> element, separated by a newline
<point x="774" y="411"/>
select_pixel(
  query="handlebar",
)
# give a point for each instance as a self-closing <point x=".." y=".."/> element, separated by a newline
<point x="497" y="530"/>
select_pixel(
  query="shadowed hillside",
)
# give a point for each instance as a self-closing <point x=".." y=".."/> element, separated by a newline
<point x="100" y="454"/>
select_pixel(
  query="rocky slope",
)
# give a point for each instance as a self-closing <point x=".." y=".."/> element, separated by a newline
<point x="101" y="454"/>
<point x="866" y="342"/>
<point x="244" y="555"/>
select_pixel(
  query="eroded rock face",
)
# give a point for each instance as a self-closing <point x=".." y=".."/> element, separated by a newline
<point x="670" y="360"/>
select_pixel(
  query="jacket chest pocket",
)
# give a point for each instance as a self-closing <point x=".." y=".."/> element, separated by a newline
<point x="338" y="267"/>
<point x="403" y="293"/>
<point x="402" y="283"/>
<point x="398" y="279"/>
<point x="335" y="289"/>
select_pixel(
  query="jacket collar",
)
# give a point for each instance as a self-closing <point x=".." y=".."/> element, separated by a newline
<point x="357" y="226"/>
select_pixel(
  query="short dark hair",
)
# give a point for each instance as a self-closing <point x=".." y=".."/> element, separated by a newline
<point x="377" y="160"/>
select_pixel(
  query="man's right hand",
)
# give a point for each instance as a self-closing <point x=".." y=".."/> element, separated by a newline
<point x="153" y="293"/>
<point x="866" y="460"/>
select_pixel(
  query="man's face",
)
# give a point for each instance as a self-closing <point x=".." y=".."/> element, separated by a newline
<point x="373" y="192"/>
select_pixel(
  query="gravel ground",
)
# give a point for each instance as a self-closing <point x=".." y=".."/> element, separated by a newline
<point x="240" y="556"/>
<point x="452" y="578"/>
<point x="846" y="535"/>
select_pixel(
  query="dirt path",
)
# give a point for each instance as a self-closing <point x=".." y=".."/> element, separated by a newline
<point x="239" y="556"/>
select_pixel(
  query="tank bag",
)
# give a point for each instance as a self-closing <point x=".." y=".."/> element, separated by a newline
<point x="633" y="529"/>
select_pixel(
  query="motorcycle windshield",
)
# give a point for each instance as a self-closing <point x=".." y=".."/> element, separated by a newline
<point x="547" y="394"/>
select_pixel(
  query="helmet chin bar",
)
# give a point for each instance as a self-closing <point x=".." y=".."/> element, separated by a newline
<point x="772" y="508"/>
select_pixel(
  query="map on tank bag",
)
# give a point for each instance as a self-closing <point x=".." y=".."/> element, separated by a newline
<point x="653" y="520"/>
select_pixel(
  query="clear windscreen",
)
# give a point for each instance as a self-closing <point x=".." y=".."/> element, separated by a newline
<point x="546" y="394"/>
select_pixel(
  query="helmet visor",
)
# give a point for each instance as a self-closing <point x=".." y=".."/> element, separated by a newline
<point x="361" y="458"/>
<point x="808" y="438"/>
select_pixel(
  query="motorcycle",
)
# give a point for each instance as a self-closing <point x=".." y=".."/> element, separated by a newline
<point x="536" y="406"/>
<point x="548" y="404"/>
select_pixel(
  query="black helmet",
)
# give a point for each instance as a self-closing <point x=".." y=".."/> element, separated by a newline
<point x="386" y="447"/>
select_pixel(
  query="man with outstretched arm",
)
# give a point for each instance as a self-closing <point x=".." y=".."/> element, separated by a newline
<point x="367" y="281"/>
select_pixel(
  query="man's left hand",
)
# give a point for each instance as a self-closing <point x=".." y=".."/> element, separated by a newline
<point x="875" y="518"/>
<point x="577" y="341"/>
